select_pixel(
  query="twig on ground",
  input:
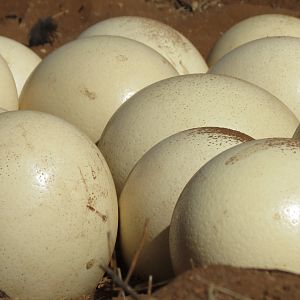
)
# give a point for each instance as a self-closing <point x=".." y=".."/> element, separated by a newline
<point x="211" y="292"/>
<point x="142" y="287"/>
<point x="121" y="283"/>
<point x="120" y="275"/>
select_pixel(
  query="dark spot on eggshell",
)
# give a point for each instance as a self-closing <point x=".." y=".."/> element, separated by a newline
<point x="89" y="94"/>
<point x="226" y="132"/>
<point x="283" y="144"/>
<point x="90" y="264"/>
<point x="97" y="212"/>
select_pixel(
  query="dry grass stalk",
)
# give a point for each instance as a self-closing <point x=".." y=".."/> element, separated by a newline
<point x="122" y="284"/>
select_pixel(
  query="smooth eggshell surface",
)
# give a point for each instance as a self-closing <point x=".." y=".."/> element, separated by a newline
<point x="254" y="28"/>
<point x="8" y="91"/>
<point x="20" y="59"/>
<point x="153" y="188"/>
<point x="85" y="81"/>
<point x="242" y="209"/>
<point x="57" y="205"/>
<point x="184" y="102"/>
<point x="172" y="45"/>
<point x="271" y="63"/>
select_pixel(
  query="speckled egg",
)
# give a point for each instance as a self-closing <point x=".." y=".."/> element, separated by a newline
<point x="57" y="206"/>
<point x="184" y="102"/>
<point x="167" y="41"/>
<point x="85" y="81"/>
<point x="153" y="187"/>
<point x="242" y="209"/>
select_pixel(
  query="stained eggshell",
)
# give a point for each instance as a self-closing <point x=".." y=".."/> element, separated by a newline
<point x="189" y="101"/>
<point x="153" y="187"/>
<point x="171" y="44"/>
<point x="242" y="209"/>
<point x="57" y="205"/>
<point x="86" y="80"/>
<point x="8" y="91"/>
<point x="20" y="59"/>
<point x="254" y="28"/>
<point x="271" y="63"/>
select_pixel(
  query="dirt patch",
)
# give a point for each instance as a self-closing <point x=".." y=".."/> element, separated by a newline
<point x="202" y="21"/>
<point x="226" y="283"/>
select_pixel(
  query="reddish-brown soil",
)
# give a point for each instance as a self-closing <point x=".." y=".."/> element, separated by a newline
<point x="226" y="283"/>
<point x="203" y="22"/>
<point x="203" y="26"/>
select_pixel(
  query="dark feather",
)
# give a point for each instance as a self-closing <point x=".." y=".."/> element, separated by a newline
<point x="42" y="32"/>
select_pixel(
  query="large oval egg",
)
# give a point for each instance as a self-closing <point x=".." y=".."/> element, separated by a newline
<point x="242" y="209"/>
<point x="85" y="81"/>
<point x="184" y="102"/>
<point x="20" y="59"/>
<point x="254" y="28"/>
<point x="153" y="187"/>
<point x="57" y="208"/>
<point x="167" y="41"/>
<point x="271" y="63"/>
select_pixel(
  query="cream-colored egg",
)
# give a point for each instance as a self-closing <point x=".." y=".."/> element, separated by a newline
<point x="242" y="209"/>
<point x="57" y="205"/>
<point x="254" y="28"/>
<point x="153" y="188"/>
<point x="8" y="91"/>
<point x="188" y="101"/>
<point x="2" y="110"/>
<point x="85" y="81"/>
<point x="271" y="63"/>
<point x="20" y="59"/>
<point x="171" y="44"/>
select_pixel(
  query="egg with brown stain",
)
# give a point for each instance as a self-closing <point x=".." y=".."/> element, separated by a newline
<point x="241" y="209"/>
<point x="152" y="190"/>
<point x="167" y="41"/>
<point x="57" y="207"/>
<point x="86" y="80"/>
<point x="188" y="101"/>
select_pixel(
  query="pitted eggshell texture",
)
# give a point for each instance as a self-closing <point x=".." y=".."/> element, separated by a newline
<point x="153" y="187"/>
<point x="57" y="205"/>
<point x="242" y="209"/>
<point x="85" y="81"/>
<point x="254" y="28"/>
<point x="184" y="102"/>
<point x="271" y="63"/>
<point x="171" y="44"/>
